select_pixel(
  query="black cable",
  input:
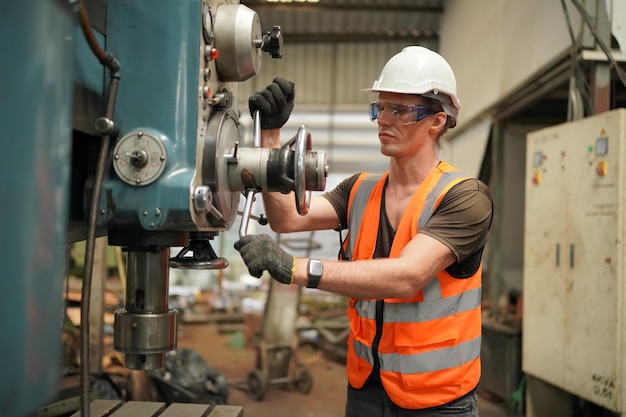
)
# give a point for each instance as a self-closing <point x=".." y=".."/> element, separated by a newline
<point x="110" y="62"/>
<point x="607" y="51"/>
<point x="578" y="73"/>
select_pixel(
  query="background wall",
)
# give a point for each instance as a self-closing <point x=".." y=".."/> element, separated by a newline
<point x="496" y="45"/>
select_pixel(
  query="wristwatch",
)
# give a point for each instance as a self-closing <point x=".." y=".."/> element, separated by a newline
<point x="314" y="271"/>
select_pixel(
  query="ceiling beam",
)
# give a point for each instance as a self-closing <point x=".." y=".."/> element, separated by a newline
<point x="259" y="5"/>
<point x="354" y="37"/>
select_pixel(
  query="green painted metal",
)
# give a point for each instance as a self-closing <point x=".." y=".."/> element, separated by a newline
<point x="157" y="43"/>
<point x="36" y="39"/>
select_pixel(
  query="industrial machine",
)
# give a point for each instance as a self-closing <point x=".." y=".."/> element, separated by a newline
<point x="169" y="170"/>
<point x="574" y="269"/>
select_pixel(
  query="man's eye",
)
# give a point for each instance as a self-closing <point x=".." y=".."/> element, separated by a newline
<point x="396" y="111"/>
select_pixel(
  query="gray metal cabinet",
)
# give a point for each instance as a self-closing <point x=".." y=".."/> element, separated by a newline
<point x="574" y="288"/>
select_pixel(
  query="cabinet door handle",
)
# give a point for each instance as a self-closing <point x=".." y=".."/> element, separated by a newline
<point x="558" y="254"/>
<point x="571" y="256"/>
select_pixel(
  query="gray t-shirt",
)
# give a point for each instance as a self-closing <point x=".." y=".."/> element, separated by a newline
<point x="461" y="222"/>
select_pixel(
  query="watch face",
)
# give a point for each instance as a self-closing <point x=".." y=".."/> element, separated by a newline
<point x="314" y="271"/>
<point x="315" y="267"/>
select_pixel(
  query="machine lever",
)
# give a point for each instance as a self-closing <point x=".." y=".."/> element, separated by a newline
<point x="247" y="209"/>
<point x="246" y="213"/>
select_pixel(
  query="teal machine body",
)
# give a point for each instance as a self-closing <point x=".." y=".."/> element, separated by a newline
<point x="156" y="111"/>
<point x="172" y="175"/>
<point x="36" y="117"/>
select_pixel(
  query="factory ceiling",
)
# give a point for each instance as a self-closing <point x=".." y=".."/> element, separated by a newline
<point x="416" y="21"/>
<point x="350" y="20"/>
<point x="334" y="20"/>
<point x="413" y="21"/>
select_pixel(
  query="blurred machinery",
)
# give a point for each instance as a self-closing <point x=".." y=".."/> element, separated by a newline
<point x="148" y="151"/>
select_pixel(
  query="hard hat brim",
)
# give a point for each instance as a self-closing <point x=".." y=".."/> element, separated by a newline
<point x="455" y="101"/>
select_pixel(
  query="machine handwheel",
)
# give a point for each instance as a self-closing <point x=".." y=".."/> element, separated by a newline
<point x="303" y="379"/>
<point x="256" y="385"/>
<point x="302" y="142"/>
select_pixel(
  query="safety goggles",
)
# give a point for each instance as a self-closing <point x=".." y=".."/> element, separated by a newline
<point x="405" y="113"/>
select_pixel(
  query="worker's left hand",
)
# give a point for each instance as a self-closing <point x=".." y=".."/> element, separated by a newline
<point x="261" y="252"/>
<point x="274" y="103"/>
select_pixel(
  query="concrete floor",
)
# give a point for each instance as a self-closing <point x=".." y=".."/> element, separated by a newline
<point x="326" y="399"/>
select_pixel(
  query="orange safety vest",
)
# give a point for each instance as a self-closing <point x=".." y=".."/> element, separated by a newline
<point x="429" y="351"/>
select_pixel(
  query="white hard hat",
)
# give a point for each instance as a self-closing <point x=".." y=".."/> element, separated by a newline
<point x="418" y="70"/>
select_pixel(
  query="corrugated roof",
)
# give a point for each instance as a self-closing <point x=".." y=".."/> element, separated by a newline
<point x="351" y="20"/>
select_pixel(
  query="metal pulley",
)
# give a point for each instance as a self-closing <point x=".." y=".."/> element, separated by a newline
<point x="238" y="37"/>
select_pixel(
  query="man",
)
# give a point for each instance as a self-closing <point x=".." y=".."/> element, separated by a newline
<point x="411" y="261"/>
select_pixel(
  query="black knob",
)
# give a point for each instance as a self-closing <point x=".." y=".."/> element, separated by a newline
<point x="273" y="42"/>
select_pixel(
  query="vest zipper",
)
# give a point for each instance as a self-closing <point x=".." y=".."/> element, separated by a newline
<point x="380" y="306"/>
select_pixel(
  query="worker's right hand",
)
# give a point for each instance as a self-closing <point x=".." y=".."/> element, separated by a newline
<point x="262" y="253"/>
<point x="274" y="103"/>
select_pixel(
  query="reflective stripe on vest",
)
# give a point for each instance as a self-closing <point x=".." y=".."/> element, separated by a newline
<point x="430" y="345"/>
<point x="423" y="362"/>
<point x="429" y="309"/>
<point x="365" y="184"/>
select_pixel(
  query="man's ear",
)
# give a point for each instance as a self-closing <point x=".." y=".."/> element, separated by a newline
<point x="439" y="121"/>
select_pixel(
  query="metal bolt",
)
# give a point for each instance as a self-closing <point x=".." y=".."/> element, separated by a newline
<point x="202" y="199"/>
<point x="157" y="212"/>
<point x="104" y="126"/>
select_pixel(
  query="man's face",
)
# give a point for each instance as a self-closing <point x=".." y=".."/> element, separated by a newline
<point x="403" y="124"/>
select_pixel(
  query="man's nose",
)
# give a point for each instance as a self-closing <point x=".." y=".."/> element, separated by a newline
<point x="384" y="118"/>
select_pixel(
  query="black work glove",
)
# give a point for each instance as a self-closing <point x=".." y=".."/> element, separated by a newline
<point x="274" y="102"/>
<point x="261" y="252"/>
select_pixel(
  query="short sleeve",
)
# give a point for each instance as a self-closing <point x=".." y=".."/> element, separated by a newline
<point x="339" y="196"/>
<point x="463" y="219"/>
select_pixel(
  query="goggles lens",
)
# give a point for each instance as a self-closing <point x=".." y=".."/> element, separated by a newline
<point x="406" y="113"/>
